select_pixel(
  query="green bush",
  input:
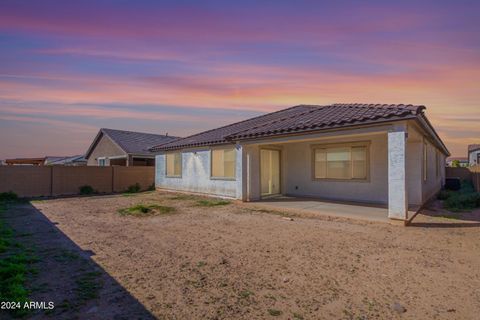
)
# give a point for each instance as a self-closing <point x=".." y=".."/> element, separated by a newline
<point x="151" y="187"/>
<point x="212" y="202"/>
<point x="134" y="188"/>
<point x="467" y="187"/>
<point x="8" y="196"/>
<point x="86" y="189"/>
<point x="443" y="195"/>
<point x="463" y="201"/>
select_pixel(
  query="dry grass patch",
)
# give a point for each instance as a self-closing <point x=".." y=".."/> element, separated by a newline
<point x="184" y="197"/>
<point x="142" y="210"/>
<point x="212" y="202"/>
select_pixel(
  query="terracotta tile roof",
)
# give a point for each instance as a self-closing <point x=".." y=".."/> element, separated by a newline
<point x="298" y="119"/>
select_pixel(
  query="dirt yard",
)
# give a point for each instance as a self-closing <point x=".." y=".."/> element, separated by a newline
<point x="231" y="261"/>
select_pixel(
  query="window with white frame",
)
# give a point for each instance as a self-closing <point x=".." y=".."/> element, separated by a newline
<point x="102" y="162"/>
<point x="174" y="164"/>
<point x="341" y="162"/>
<point x="223" y="163"/>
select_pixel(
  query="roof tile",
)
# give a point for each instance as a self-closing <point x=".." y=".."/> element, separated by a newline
<point x="302" y="118"/>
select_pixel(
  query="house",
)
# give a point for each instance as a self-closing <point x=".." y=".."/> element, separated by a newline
<point x="454" y="161"/>
<point x="383" y="154"/>
<point x="474" y="154"/>
<point x="124" y="148"/>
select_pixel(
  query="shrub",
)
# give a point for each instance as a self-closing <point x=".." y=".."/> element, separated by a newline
<point x="134" y="188"/>
<point x="86" y="189"/>
<point x="274" y="312"/>
<point x="467" y="187"/>
<point x="443" y="195"/>
<point x="8" y="196"/>
<point x="151" y="187"/>
<point x="463" y="201"/>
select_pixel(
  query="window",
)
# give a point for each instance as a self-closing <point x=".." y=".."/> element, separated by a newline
<point x="425" y="161"/>
<point x="174" y="164"/>
<point x="102" y="162"/>
<point x="341" y="162"/>
<point x="223" y="163"/>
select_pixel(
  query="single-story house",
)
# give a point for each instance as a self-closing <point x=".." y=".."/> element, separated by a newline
<point x="124" y="148"/>
<point x="383" y="154"/>
<point x="474" y="154"/>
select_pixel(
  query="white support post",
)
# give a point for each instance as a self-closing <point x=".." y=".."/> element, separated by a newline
<point x="397" y="183"/>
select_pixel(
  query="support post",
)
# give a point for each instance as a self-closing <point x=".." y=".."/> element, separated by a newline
<point x="397" y="178"/>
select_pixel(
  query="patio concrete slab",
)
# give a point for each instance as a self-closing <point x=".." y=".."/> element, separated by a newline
<point x="359" y="211"/>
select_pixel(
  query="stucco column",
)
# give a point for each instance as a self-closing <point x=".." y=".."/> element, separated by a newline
<point x="397" y="179"/>
<point x="239" y="175"/>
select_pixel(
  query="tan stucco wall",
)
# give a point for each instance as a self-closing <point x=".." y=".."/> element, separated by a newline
<point x="433" y="183"/>
<point x="297" y="173"/>
<point x="414" y="167"/>
<point x="105" y="148"/>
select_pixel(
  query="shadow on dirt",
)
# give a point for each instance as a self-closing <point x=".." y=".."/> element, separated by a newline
<point x="66" y="274"/>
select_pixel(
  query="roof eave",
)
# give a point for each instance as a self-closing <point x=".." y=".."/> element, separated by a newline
<point x="427" y="126"/>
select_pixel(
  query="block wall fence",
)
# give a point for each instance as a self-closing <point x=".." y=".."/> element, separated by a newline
<point x="32" y="181"/>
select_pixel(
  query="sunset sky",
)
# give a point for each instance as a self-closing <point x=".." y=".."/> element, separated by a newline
<point x="68" y="68"/>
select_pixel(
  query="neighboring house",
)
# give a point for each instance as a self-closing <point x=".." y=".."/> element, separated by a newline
<point x="124" y="148"/>
<point x="474" y="154"/>
<point x="462" y="161"/>
<point x="385" y="154"/>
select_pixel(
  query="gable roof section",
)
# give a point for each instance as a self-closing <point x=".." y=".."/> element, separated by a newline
<point x="303" y="119"/>
<point x="130" y="141"/>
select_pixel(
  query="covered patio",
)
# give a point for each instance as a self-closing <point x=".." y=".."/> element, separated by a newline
<point x="330" y="208"/>
<point x="373" y="173"/>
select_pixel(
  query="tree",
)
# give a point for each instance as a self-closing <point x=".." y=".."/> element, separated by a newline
<point x="456" y="163"/>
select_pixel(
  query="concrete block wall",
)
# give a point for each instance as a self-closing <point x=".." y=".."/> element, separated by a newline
<point x="30" y="181"/>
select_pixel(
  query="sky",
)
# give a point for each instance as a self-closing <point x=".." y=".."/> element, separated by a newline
<point x="68" y="68"/>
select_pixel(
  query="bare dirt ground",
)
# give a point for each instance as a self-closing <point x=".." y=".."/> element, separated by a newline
<point x="236" y="262"/>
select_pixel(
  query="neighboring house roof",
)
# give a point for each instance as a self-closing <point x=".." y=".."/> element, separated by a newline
<point x="54" y="161"/>
<point x="131" y="142"/>
<point x="304" y="119"/>
<point x="26" y="161"/>
<point x="473" y="147"/>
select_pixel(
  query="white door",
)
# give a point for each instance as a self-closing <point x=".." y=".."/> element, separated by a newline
<point x="270" y="171"/>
